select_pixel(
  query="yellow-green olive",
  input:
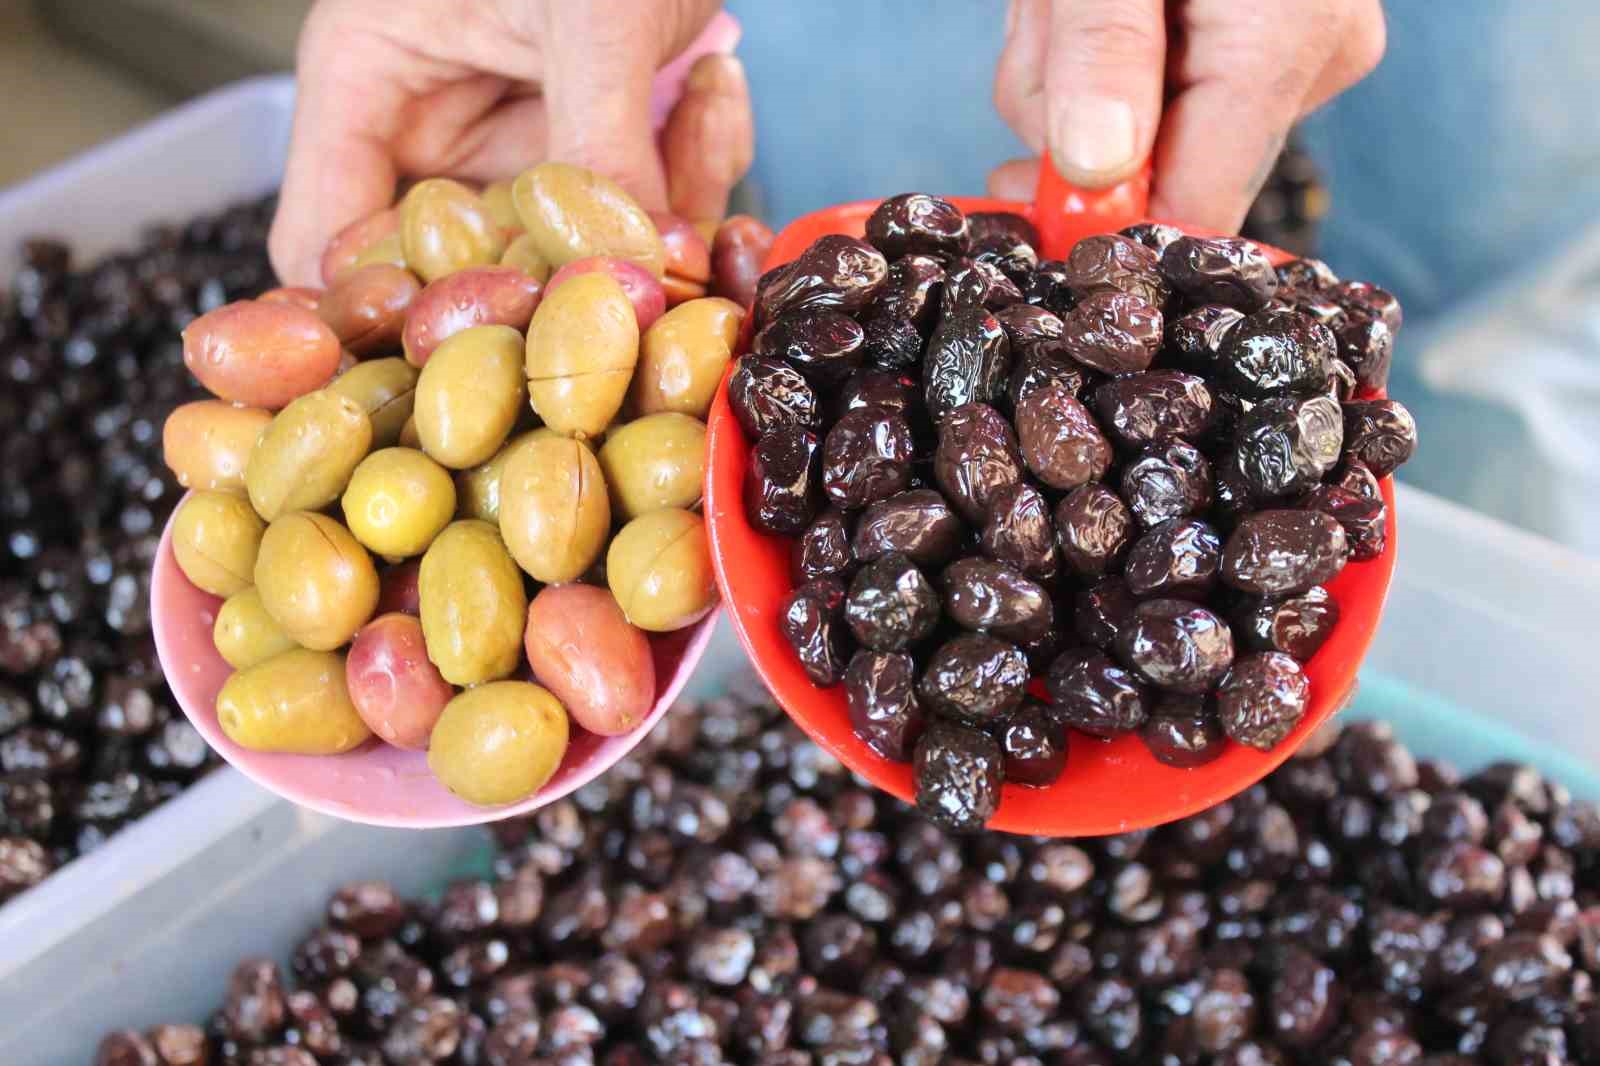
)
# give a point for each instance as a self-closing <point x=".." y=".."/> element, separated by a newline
<point x="445" y="227"/>
<point x="654" y="462"/>
<point x="554" y="512"/>
<point x="496" y="197"/>
<point x="409" y="437"/>
<point x="659" y="569"/>
<point x="215" y="539"/>
<point x="522" y="254"/>
<point x="473" y="604"/>
<point x="386" y="390"/>
<point x="583" y="343"/>
<point x="245" y="633"/>
<point x="207" y="443"/>
<point x="682" y="357"/>
<point x="398" y="501"/>
<point x="573" y="213"/>
<point x="469" y="395"/>
<point x="315" y="580"/>
<point x="294" y="702"/>
<point x="306" y="455"/>
<point x="498" y="743"/>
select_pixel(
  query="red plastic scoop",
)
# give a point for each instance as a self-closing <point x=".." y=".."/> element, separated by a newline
<point x="1108" y="787"/>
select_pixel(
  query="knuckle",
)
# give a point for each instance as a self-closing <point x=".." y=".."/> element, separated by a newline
<point x="1120" y="31"/>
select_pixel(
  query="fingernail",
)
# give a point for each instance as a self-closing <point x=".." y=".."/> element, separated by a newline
<point x="716" y="73"/>
<point x="1094" y="140"/>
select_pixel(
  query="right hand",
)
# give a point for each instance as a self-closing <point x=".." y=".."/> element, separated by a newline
<point x="483" y="89"/>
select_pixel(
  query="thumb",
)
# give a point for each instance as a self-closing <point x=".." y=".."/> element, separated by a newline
<point x="1103" y="82"/>
<point x="603" y="56"/>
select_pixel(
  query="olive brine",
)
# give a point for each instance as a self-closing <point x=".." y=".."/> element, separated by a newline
<point x="1130" y="473"/>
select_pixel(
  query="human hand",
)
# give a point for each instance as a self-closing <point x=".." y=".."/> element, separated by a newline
<point x="483" y="89"/>
<point x="1211" y="87"/>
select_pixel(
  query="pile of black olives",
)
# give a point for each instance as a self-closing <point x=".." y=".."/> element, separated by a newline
<point x="1129" y="473"/>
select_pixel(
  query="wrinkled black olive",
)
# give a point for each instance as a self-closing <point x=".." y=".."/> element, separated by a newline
<point x="892" y="391"/>
<point x="989" y="597"/>
<point x="1363" y="297"/>
<point x="1113" y="332"/>
<point x="1153" y="235"/>
<point x="1309" y="274"/>
<point x="976" y="460"/>
<point x="866" y="457"/>
<point x="822" y="344"/>
<point x="975" y="678"/>
<point x="915" y="223"/>
<point x="1176" y="644"/>
<point x="1113" y="262"/>
<point x="958" y="772"/>
<point x="1296" y="625"/>
<point x="1195" y="339"/>
<point x="1034" y="745"/>
<point x="1220" y="270"/>
<point x="881" y="689"/>
<point x="822" y="549"/>
<point x="1060" y="441"/>
<point x="1276" y="351"/>
<point x="1095" y="695"/>
<point x="1102" y="610"/>
<point x="977" y="283"/>
<point x="1019" y="532"/>
<point x="838" y="272"/>
<point x="1093" y="526"/>
<point x="1287" y="444"/>
<point x="1183" y="740"/>
<point x="967" y="361"/>
<point x="1180" y="557"/>
<point x="891" y="604"/>
<point x="1048" y="287"/>
<point x="1262" y="699"/>
<point x="1169" y="480"/>
<point x="1230" y="494"/>
<point x="1363" y="519"/>
<point x="1354" y="475"/>
<point x="1142" y="408"/>
<point x="782" y="488"/>
<point x="890" y="343"/>
<point x="1283" y="552"/>
<point x="1040" y="367"/>
<point x="1027" y="325"/>
<point x="1381" y="434"/>
<point x="813" y="625"/>
<point x="768" y="395"/>
<point x="1002" y="227"/>
<point x="910" y="292"/>
<point x="917" y="522"/>
<point x="1366" y="343"/>
<point x="1342" y="382"/>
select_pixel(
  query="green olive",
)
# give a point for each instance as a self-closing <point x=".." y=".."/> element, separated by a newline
<point x="469" y="395"/>
<point x="498" y="743"/>
<point x="315" y="580"/>
<point x="496" y="197"/>
<point x="245" y="633"/>
<point x="654" y="462"/>
<point x="294" y="702"/>
<point x="522" y="254"/>
<point x="398" y="501"/>
<point x="306" y="455"/>
<point x="659" y="569"/>
<point x="554" y="511"/>
<point x="583" y="343"/>
<point x="215" y="539"/>
<point x="445" y="227"/>
<point x="473" y="604"/>
<point x="682" y="357"/>
<point x="386" y="390"/>
<point x="573" y="213"/>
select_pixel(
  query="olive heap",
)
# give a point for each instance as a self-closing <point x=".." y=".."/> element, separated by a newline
<point x="490" y="401"/>
<point x="90" y="738"/>
<point x="730" y="894"/>
<point x="1131" y="472"/>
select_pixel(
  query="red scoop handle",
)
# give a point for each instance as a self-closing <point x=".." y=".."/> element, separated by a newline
<point x="1061" y="209"/>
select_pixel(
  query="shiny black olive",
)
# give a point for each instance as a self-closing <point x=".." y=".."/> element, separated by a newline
<point x="891" y="605"/>
<point x="1179" y="557"/>
<point x="1113" y="332"/>
<point x="1093" y="527"/>
<point x="1019" y="531"/>
<point x="915" y="223"/>
<point x="1276" y="351"/>
<point x="823" y="549"/>
<point x="1262" y="699"/>
<point x="866" y="457"/>
<point x="1296" y="625"/>
<point x="974" y="678"/>
<point x="814" y="627"/>
<point x="782" y="488"/>
<point x="976" y="460"/>
<point x="917" y="522"/>
<point x="968" y="360"/>
<point x="822" y="344"/>
<point x="1282" y="552"/>
<point x="1286" y="445"/>
<point x="1140" y="409"/>
<point x="958" y="771"/>
<point x="1220" y="270"/>
<point x="768" y="395"/>
<point x="881" y="690"/>
<point x="1113" y="262"/>
<point x="1381" y="434"/>
<point x="838" y="272"/>
<point x="1093" y="694"/>
<point x="1177" y="645"/>
<point x="989" y="597"/>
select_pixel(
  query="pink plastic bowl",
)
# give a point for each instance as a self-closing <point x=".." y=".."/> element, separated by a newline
<point x="378" y="784"/>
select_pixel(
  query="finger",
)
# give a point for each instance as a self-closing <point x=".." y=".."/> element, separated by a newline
<point x="602" y="59"/>
<point x="709" y="139"/>
<point x="1019" y="75"/>
<point x="1361" y="48"/>
<point x="482" y="128"/>
<point x="1015" y="179"/>
<point x="1103" y="81"/>
<point x="339" y="169"/>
